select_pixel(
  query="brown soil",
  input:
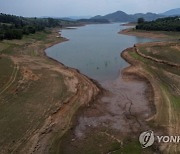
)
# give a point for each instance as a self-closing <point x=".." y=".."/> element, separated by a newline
<point x="158" y="100"/>
<point x="61" y="119"/>
<point x="82" y="89"/>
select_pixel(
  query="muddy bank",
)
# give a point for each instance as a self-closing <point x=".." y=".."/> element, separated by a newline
<point x="136" y="71"/>
<point x="118" y="116"/>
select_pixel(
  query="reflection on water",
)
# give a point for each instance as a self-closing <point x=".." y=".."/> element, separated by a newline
<point x="94" y="50"/>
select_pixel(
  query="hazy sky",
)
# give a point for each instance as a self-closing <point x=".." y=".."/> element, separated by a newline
<point x="60" y="8"/>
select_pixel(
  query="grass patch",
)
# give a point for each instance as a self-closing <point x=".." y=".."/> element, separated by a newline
<point x="29" y="45"/>
<point x="97" y="142"/>
<point x="165" y="52"/>
<point x="6" y="70"/>
<point x="39" y="36"/>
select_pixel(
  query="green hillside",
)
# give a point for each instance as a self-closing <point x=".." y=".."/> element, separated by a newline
<point x="14" y="27"/>
<point x="162" y="24"/>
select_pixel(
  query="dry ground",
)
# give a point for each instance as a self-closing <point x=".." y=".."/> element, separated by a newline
<point x="38" y="96"/>
<point x="165" y="80"/>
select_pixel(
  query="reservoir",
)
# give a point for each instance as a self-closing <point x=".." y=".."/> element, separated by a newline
<point x="95" y="50"/>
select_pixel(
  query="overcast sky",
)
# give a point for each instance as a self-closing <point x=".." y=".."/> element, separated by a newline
<point x="62" y="8"/>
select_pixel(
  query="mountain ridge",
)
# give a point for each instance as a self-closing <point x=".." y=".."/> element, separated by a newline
<point x="172" y="12"/>
<point x="120" y="16"/>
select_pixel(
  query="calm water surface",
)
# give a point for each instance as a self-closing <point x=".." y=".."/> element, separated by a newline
<point x="95" y="50"/>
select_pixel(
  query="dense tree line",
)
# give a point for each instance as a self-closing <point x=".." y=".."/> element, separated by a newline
<point x="94" y="21"/>
<point x="14" y="27"/>
<point x="161" y="24"/>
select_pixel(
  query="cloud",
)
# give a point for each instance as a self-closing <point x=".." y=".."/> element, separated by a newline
<point x="83" y="7"/>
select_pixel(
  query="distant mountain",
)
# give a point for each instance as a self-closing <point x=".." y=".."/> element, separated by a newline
<point x="148" y="16"/>
<point x="116" y="16"/>
<point x="121" y="16"/>
<point x="172" y="12"/>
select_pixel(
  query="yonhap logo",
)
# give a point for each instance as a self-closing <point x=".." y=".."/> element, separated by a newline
<point x="146" y="138"/>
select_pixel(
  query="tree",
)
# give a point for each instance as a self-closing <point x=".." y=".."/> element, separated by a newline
<point x="140" y="20"/>
<point x="162" y="24"/>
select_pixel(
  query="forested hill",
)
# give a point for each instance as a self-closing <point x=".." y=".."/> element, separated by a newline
<point x="14" y="27"/>
<point x="162" y="24"/>
<point x="120" y="16"/>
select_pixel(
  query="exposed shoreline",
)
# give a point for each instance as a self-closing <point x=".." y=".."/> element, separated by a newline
<point x="43" y="138"/>
<point x="67" y="67"/>
<point x="137" y="70"/>
<point x="160" y="97"/>
<point x="95" y="91"/>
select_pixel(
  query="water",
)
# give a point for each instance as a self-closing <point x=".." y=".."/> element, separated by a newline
<point x="95" y="50"/>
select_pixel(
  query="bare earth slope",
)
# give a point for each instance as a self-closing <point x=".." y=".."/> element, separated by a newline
<point x="38" y="96"/>
<point x="146" y="60"/>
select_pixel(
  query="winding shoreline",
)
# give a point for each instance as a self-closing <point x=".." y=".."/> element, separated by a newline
<point x="83" y="91"/>
<point x="97" y="84"/>
<point x="133" y="69"/>
<point x="42" y="140"/>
